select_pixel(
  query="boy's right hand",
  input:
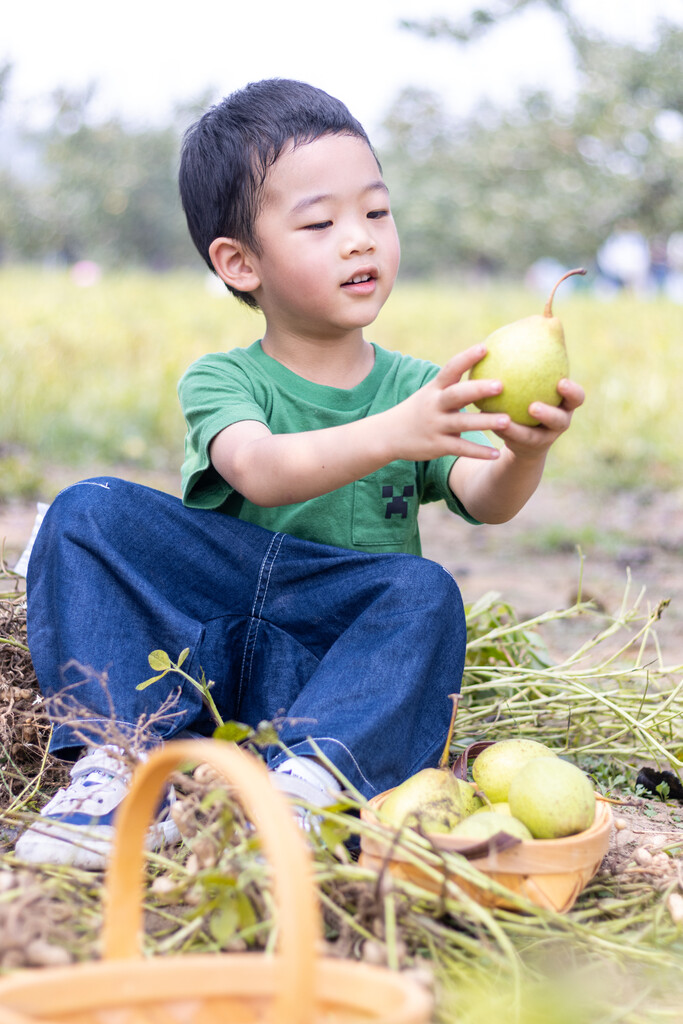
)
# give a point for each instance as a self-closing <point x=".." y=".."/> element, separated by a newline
<point x="283" y="469"/>
<point x="430" y="422"/>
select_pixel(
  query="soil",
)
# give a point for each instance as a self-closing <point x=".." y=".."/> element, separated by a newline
<point x="533" y="564"/>
<point x="631" y="549"/>
<point x="619" y="549"/>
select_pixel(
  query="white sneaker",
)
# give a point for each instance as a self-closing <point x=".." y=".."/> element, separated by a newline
<point x="77" y="826"/>
<point x="306" y="780"/>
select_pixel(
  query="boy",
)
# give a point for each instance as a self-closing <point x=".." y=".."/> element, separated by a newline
<point x="292" y="568"/>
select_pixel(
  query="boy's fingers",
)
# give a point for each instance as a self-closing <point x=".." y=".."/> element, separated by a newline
<point x="556" y="417"/>
<point x="452" y="371"/>
<point x="472" y="450"/>
<point x="482" y="421"/>
<point x="572" y="393"/>
<point x="457" y="396"/>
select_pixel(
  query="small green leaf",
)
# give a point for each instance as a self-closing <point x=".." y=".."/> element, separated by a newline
<point x="182" y="656"/>
<point x="664" y="790"/>
<point x="333" y="834"/>
<point x="265" y="734"/>
<point x="232" y="732"/>
<point x="224" y="922"/>
<point x="245" y="909"/>
<point x="148" y="682"/>
<point x="159" y="661"/>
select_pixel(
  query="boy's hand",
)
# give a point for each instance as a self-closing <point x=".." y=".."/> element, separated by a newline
<point x="430" y="422"/>
<point x="495" y="493"/>
<point x="526" y="441"/>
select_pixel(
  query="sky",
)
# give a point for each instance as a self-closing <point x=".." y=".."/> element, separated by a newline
<point x="146" y="56"/>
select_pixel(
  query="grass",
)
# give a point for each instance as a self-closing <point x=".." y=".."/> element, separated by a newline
<point x="90" y="374"/>
<point x="615" y="956"/>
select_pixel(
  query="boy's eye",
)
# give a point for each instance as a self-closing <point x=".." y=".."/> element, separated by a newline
<point x="320" y="226"/>
<point x="376" y="214"/>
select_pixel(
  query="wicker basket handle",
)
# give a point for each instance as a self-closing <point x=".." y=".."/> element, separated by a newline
<point x="298" y="918"/>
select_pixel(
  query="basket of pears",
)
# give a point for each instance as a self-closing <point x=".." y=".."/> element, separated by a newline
<point x="529" y="819"/>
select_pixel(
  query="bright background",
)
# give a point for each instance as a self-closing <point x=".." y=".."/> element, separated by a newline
<point x="147" y="55"/>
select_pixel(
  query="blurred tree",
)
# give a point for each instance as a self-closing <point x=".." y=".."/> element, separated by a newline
<point x="475" y="23"/>
<point x="495" y="191"/>
<point x="501" y="189"/>
<point x="109" y="192"/>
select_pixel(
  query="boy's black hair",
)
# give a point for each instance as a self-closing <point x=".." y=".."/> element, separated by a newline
<point x="226" y="155"/>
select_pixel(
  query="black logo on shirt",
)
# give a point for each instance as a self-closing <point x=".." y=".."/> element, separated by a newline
<point x="397" y="506"/>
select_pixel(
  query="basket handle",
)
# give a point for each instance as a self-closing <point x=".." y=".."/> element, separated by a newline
<point x="285" y="848"/>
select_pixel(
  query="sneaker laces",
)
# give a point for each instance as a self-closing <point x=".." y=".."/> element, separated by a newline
<point x="99" y="783"/>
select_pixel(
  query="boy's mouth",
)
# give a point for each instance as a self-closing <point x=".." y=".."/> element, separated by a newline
<point x="364" y="278"/>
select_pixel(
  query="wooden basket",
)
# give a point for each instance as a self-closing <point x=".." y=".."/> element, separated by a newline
<point x="295" y="986"/>
<point x="551" y="873"/>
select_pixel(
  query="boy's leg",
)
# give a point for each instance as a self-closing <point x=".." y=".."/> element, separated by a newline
<point x="118" y="571"/>
<point x="388" y="636"/>
<point x="358" y="651"/>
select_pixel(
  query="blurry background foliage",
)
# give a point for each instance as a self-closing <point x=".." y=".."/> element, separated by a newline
<point x="494" y="191"/>
<point x="500" y="197"/>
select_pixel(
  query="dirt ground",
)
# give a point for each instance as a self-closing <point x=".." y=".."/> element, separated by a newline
<point x="627" y="539"/>
<point x="533" y="561"/>
<point x="533" y="564"/>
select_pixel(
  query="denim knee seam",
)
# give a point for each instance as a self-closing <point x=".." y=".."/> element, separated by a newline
<point x="259" y="600"/>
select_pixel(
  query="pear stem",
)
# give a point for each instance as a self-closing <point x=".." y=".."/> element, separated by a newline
<point x="443" y="760"/>
<point x="548" y="311"/>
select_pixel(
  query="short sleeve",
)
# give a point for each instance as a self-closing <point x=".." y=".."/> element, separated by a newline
<point x="435" y="487"/>
<point x="216" y="391"/>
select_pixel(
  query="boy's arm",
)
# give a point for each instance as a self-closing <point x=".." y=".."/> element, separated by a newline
<point x="495" y="492"/>
<point x="282" y="469"/>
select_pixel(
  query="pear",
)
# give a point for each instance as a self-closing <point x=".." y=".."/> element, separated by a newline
<point x="500" y="807"/>
<point x="432" y="800"/>
<point x="553" y="798"/>
<point x="529" y="356"/>
<point x="494" y="768"/>
<point x="485" y="824"/>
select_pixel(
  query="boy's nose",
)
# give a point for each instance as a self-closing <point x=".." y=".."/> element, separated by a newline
<point x="358" y="240"/>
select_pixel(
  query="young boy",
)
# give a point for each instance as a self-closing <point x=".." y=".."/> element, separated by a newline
<point x="291" y="569"/>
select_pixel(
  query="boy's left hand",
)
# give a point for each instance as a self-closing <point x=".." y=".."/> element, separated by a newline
<point x="553" y="421"/>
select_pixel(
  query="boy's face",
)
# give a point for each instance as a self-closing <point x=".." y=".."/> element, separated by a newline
<point x="329" y="246"/>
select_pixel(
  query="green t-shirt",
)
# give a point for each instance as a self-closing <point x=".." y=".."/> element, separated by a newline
<point x="377" y="513"/>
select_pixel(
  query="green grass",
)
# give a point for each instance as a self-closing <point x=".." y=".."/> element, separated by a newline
<point x="90" y="374"/>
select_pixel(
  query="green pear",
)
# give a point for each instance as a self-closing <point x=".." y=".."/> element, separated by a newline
<point x="494" y="768"/>
<point x="553" y="798"/>
<point x="500" y="807"/>
<point x="485" y="824"/>
<point x="432" y="800"/>
<point x="529" y="356"/>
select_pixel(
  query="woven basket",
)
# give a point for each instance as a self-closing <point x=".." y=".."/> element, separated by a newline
<point x="295" y="986"/>
<point x="551" y="873"/>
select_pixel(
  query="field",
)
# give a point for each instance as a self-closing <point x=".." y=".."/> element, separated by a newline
<point x="564" y="646"/>
<point x="90" y="373"/>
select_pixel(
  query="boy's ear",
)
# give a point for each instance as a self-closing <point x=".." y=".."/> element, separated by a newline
<point x="233" y="264"/>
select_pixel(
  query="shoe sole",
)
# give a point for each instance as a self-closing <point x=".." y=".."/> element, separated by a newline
<point x="50" y="843"/>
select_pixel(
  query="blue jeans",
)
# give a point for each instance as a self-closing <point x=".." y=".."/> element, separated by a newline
<point x="358" y="651"/>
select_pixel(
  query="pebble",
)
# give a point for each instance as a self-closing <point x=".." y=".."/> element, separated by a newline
<point x="163" y="885"/>
<point x="661" y="862"/>
<point x="674" y="905"/>
<point x="643" y="857"/>
<point x="374" y="953"/>
<point x="40" y="953"/>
